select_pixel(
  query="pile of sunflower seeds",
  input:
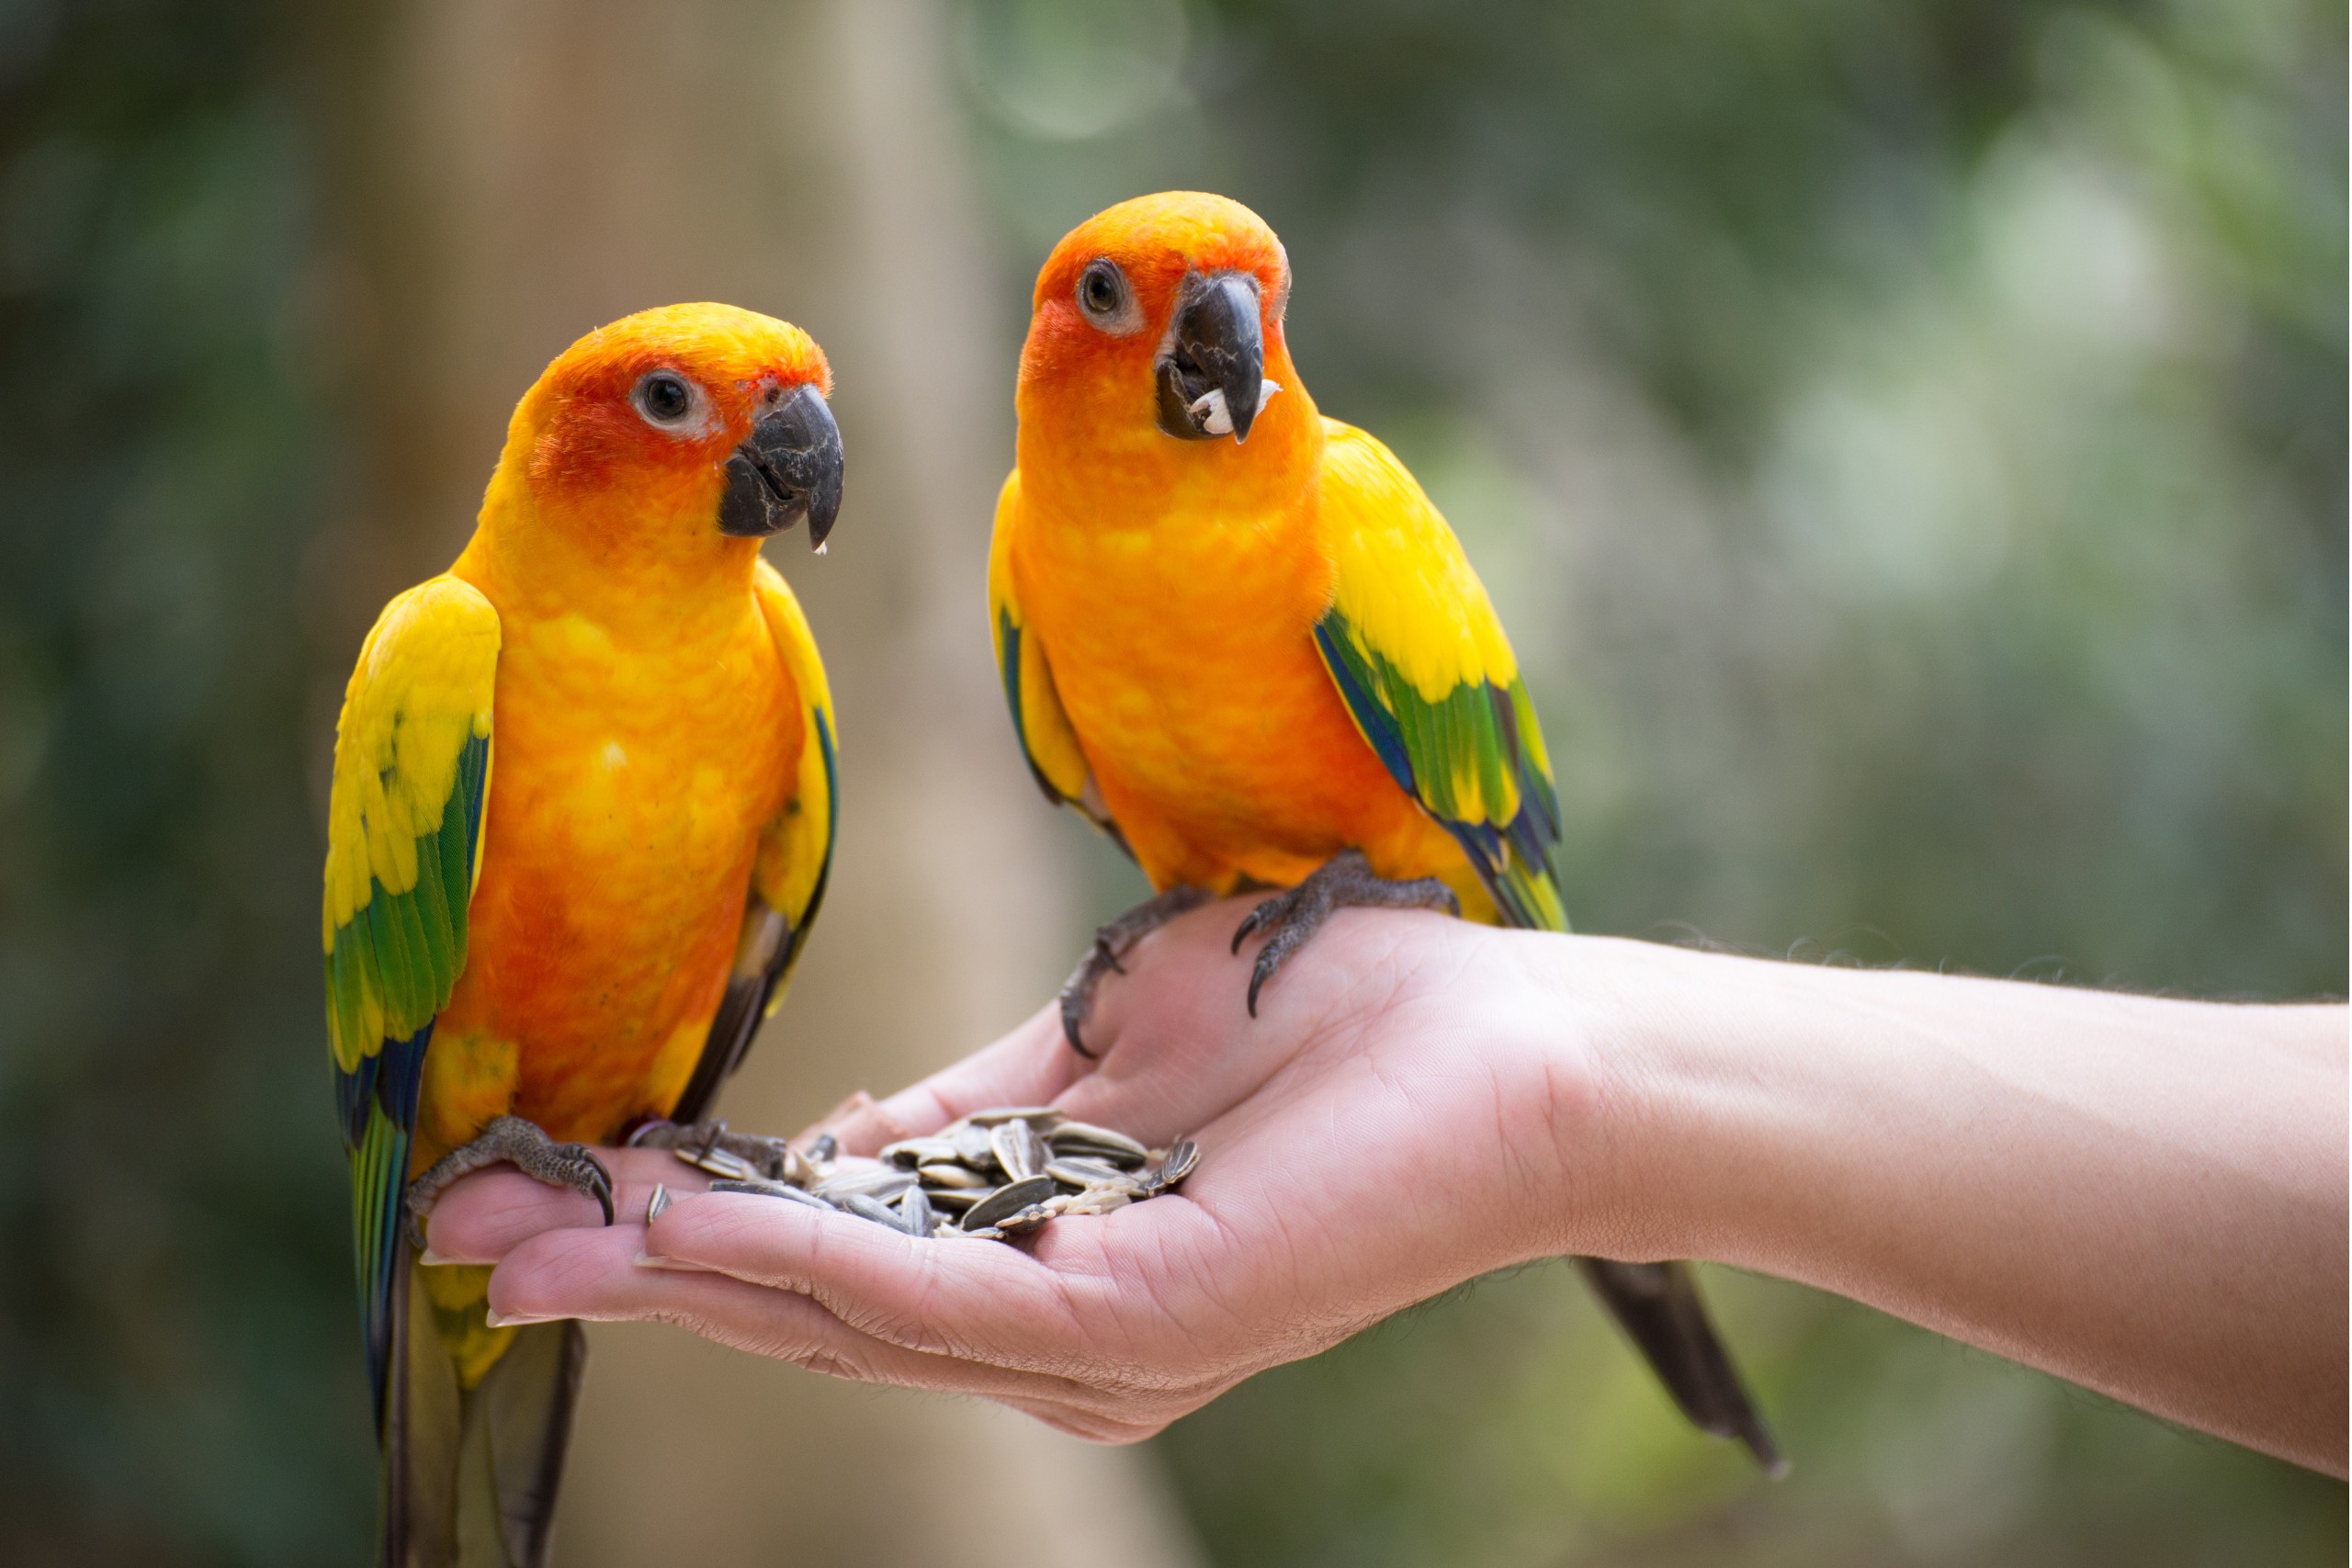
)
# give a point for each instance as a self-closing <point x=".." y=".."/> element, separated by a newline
<point x="994" y="1174"/>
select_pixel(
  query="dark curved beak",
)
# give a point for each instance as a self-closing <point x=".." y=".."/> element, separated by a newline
<point x="1212" y="372"/>
<point x="788" y="469"/>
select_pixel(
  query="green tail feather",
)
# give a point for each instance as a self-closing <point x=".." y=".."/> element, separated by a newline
<point x="470" y="1475"/>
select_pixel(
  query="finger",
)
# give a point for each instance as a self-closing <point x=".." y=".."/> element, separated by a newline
<point x="481" y="1218"/>
<point x="974" y="1300"/>
<point x="601" y="1276"/>
<point x="1031" y="1065"/>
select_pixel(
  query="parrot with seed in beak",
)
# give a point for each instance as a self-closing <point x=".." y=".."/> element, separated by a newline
<point x="1238" y="637"/>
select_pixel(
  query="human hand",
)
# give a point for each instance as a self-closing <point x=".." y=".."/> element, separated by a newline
<point x="1413" y="1107"/>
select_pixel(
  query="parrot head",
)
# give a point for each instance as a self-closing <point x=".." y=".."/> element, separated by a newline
<point x="685" y="426"/>
<point x="1160" y="322"/>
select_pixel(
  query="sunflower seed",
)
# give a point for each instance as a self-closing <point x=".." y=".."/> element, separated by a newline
<point x="1019" y="1149"/>
<point x="944" y="1173"/>
<point x="1010" y="1199"/>
<point x="914" y="1211"/>
<point x="770" y="1189"/>
<point x="772" y="1157"/>
<point x="826" y="1149"/>
<point x="883" y="1183"/>
<point x="1027" y="1220"/>
<point x="1174" y="1167"/>
<point x="866" y="1208"/>
<point x="1041" y="1117"/>
<point x="971" y="1140"/>
<point x="718" y="1162"/>
<point x="1101" y="1200"/>
<point x="955" y="1199"/>
<point x="1084" y="1138"/>
<point x="908" y="1153"/>
<point x="1073" y="1170"/>
<point x="655" y="1204"/>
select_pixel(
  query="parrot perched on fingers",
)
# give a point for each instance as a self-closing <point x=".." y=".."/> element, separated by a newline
<point x="1238" y="637"/>
<point x="582" y="817"/>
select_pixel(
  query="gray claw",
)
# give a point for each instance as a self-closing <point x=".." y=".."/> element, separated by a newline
<point x="1346" y="880"/>
<point x="1112" y="942"/>
<point x="511" y="1140"/>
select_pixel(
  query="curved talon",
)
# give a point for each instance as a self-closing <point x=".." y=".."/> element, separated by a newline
<point x="1109" y="942"/>
<point x="1291" y="918"/>
<point x="1260" y="973"/>
<point x="511" y="1140"/>
<point x="602" y="1189"/>
<point x="1073" y="1014"/>
<point x="1251" y="923"/>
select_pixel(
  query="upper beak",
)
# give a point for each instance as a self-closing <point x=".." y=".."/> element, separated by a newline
<point x="1212" y="371"/>
<point x="788" y="469"/>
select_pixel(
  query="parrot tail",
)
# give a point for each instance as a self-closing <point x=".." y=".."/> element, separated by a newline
<point x="1657" y="1304"/>
<point x="475" y="1426"/>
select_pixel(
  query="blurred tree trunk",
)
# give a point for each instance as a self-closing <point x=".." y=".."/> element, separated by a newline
<point x="508" y="176"/>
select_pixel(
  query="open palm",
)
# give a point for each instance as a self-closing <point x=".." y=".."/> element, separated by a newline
<point x="1390" y="1125"/>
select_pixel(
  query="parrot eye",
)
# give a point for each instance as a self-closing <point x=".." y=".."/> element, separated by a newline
<point x="663" y="397"/>
<point x="1107" y="301"/>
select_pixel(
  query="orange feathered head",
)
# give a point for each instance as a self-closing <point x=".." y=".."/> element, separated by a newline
<point x="697" y="417"/>
<point x="1161" y="318"/>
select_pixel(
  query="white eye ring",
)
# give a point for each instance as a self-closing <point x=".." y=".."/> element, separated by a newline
<point x="667" y="400"/>
<point x="1106" y="299"/>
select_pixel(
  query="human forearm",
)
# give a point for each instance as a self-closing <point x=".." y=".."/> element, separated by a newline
<point x="2144" y="1195"/>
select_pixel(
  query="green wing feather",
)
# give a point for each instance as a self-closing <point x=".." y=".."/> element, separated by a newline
<point x="412" y="778"/>
<point x="1420" y="656"/>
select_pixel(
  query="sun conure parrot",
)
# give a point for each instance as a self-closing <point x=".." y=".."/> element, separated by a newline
<point x="1240" y="638"/>
<point x="583" y="812"/>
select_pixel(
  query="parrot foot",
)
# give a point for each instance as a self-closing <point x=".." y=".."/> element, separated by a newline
<point x="773" y="1158"/>
<point x="1112" y="942"/>
<point x="511" y="1140"/>
<point x="1345" y="881"/>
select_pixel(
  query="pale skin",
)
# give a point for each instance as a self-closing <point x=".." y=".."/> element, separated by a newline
<point x="2146" y="1196"/>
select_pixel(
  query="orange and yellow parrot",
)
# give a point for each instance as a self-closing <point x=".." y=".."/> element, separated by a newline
<point x="1240" y="638"/>
<point x="581" y="817"/>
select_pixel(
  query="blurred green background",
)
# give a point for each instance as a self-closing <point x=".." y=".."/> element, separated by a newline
<point x="1906" y="442"/>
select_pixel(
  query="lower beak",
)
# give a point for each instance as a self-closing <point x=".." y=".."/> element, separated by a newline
<point x="1212" y="374"/>
<point x="788" y="469"/>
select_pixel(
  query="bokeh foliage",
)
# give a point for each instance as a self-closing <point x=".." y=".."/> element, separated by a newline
<point x="1908" y="444"/>
<point x="175" y="1313"/>
<point x="1906" y="441"/>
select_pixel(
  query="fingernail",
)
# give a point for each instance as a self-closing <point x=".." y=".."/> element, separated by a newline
<point x="649" y="1260"/>
<point x="497" y="1319"/>
<point x="433" y="1260"/>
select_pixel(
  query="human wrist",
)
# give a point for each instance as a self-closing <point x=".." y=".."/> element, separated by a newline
<point x="1565" y="1024"/>
<point x="1666" y="1049"/>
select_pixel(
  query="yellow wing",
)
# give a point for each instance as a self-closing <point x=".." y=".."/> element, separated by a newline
<point x="796" y="855"/>
<point x="1038" y="721"/>
<point x="411" y="776"/>
<point x="1420" y="656"/>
